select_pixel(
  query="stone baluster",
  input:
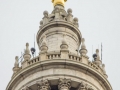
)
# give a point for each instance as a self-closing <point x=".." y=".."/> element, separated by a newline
<point x="64" y="84"/>
<point x="75" y="22"/>
<point x="69" y="16"/>
<point x="45" y="18"/>
<point x="43" y="49"/>
<point x="16" y="65"/>
<point x="64" y="49"/>
<point x="26" y="56"/>
<point x="43" y="85"/>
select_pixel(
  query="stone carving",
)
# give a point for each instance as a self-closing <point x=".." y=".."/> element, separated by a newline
<point x="58" y="14"/>
<point x="97" y="60"/>
<point x="43" y="85"/>
<point x="27" y="55"/>
<point x="75" y="22"/>
<point x="16" y="62"/>
<point x="16" y="65"/>
<point x="83" y="50"/>
<point x="64" y="84"/>
<point x="44" y="44"/>
<point x="27" y="88"/>
<point x="104" y="71"/>
<point x="45" y="18"/>
<point x="69" y="16"/>
<point x="84" y="86"/>
<point x="64" y="44"/>
<point x="41" y="24"/>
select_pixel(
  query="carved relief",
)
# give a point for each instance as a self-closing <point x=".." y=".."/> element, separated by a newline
<point x="43" y="85"/>
<point x="84" y="86"/>
<point x="64" y="84"/>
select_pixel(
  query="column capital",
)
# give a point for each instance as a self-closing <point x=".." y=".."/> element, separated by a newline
<point x="64" y="84"/>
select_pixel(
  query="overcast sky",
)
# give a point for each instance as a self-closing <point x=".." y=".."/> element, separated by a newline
<point x="99" y="21"/>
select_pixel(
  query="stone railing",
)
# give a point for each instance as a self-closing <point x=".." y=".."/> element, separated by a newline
<point x="75" y="58"/>
<point x="54" y="56"/>
<point x="91" y="64"/>
<point x="34" y="60"/>
<point x="57" y="55"/>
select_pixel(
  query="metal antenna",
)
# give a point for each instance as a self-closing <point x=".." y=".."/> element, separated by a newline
<point x="92" y="52"/>
<point x="101" y="51"/>
<point x="34" y="44"/>
<point x="33" y="50"/>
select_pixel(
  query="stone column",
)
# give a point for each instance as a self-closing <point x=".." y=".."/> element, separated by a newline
<point x="43" y="85"/>
<point x="64" y="84"/>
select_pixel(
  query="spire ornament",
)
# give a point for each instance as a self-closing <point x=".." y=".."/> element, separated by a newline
<point x="44" y="44"/>
<point x="59" y="2"/>
<point x="83" y="50"/>
<point x="97" y="60"/>
<point x="16" y="65"/>
<point x="27" y="55"/>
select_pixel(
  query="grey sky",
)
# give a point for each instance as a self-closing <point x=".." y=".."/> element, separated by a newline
<point x="99" y="21"/>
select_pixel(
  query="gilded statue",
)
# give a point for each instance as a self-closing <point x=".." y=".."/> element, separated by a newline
<point x="60" y="2"/>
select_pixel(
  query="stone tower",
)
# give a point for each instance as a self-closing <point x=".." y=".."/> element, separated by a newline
<point x="62" y="63"/>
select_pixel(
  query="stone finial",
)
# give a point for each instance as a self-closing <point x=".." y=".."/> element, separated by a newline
<point x="64" y="84"/>
<point x="104" y="71"/>
<point x="43" y="85"/>
<point x="16" y="62"/>
<point x="69" y="16"/>
<point x="27" y="55"/>
<point x="96" y="57"/>
<point x="45" y="18"/>
<point x="57" y="13"/>
<point x="83" y="50"/>
<point x="64" y="43"/>
<point x="44" y="44"/>
<point x="97" y="53"/>
<point x="16" y="65"/>
<point x="41" y="24"/>
<point x="75" y="22"/>
<point x="27" y="51"/>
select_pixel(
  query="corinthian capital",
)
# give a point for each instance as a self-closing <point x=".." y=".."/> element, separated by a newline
<point x="84" y="86"/>
<point x="64" y="84"/>
<point x="43" y="85"/>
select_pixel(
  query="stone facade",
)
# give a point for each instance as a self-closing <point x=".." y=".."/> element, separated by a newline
<point x="62" y="63"/>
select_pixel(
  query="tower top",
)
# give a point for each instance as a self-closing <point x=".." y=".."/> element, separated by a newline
<point x="60" y="2"/>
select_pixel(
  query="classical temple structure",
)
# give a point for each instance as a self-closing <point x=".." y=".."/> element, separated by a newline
<point x="62" y="63"/>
